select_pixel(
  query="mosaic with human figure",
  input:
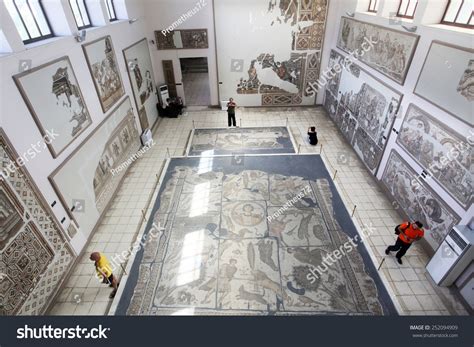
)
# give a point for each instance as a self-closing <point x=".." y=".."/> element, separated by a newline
<point x="232" y="245"/>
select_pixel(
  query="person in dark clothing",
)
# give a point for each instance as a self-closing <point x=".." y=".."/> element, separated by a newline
<point x="179" y="104"/>
<point x="313" y="136"/>
<point x="231" y="112"/>
<point x="169" y="112"/>
<point x="174" y="107"/>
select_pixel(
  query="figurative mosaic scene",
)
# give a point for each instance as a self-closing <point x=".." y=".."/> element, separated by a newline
<point x="444" y="153"/>
<point x="182" y="39"/>
<point x="104" y="69"/>
<point x="417" y="200"/>
<point x="392" y="52"/>
<point x="272" y="71"/>
<point x="232" y="244"/>
<point x="59" y="105"/>
<point x="241" y="140"/>
<point x="98" y="166"/>
<point x="362" y="107"/>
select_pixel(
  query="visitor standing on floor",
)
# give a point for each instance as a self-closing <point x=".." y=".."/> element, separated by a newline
<point x="231" y="112"/>
<point x="407" y="234"/>
<point x="313" y="136"/>
<point x="104" y="271"/>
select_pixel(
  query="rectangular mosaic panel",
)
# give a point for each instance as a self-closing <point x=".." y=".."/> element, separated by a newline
<point x="24" y="260"/>
<point x="241" y="141"/>
<point x="91" y="174"/>
<point x="446" y="80"/>
<point x="229" y="247"/>
<point x="418" y="200"/>
<point x="443" y="153"/>
<point x="386" y="50"/>
<point x="363" y="108"/>
<point x="35" y="253"/>
<point x="58" y="105"/>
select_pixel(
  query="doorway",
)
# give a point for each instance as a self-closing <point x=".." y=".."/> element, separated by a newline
<point x="195" y="72"/>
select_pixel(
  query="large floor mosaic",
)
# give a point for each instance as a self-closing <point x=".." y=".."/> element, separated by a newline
<point x="241" y="140"/>
<point x="218" y="253"/>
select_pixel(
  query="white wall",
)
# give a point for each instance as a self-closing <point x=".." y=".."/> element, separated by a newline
<point x="429" y="13"/>
<point x="17" y="121"/>
<point x="160" y="14"/>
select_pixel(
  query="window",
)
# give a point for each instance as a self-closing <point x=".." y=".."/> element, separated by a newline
<point x="407" y="8"/>
<point x="30" y="19"/>
<point x="111" y="10"/>
<point x="373" y="5"/>
<point x="81" y="15"/>
<point x="459" y="13"/>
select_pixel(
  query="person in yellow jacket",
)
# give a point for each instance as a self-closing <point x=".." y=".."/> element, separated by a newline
<point x="104" y="271"/>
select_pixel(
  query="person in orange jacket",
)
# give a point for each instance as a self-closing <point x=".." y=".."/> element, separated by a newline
<point x="407" y="234"/>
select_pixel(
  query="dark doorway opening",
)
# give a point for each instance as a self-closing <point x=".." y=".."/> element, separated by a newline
<point x="195" y="72"/>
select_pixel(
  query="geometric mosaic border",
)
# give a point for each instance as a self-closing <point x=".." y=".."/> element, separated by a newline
<point x="34" y="261"/>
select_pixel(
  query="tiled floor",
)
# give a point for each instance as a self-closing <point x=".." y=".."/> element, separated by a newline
<point x="409" y="285"/>
<point x="196" y="88"/>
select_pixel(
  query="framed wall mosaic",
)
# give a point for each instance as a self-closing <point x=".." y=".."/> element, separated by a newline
<point x="194" y="38"/>
<point x="57" y="104"/>
<point x="182" y="39"/>
<point x="102" y="62"/>
<point x="418" y="200"/>
<point x="392" y="50"/>
<point x="89" y="177"/>
<point x="363" y="108"/>
<point x="447" y="78"/>
<point x="141" y="75"/>
<point x="442" y="152"/>
<point x="35" y="254"/>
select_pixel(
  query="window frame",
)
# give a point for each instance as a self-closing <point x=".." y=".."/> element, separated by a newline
<point x="408" y="5"/>
<point x="376" y="3"/>
<point x="41" y="37"/>
<point x="82" y="16"/>
<point x="113" y="10"/>
<point x="461" y="25"/>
